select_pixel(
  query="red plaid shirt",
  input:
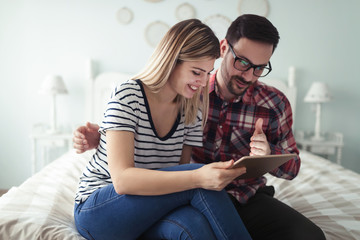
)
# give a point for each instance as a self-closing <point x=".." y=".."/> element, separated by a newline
<point x="230" y="125"/>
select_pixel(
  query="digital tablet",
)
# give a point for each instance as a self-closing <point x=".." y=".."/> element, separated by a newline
<point x="256" y="166"/>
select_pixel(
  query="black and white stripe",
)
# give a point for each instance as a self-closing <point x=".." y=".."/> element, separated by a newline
<point x="128" y="110"/>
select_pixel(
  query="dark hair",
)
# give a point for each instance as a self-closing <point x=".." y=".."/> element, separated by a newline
<point x="253" y="27"/>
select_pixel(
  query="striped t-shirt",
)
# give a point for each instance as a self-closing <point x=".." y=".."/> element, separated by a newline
<point x="128" y="110"/>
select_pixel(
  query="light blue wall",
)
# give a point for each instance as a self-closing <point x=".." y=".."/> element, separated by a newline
<point x="321" y="39"/>
<point x="37" y="37"/>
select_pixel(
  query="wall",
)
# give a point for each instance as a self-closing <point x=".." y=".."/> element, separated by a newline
<point x="319" y="38"/>
<point x="39" y="37"/>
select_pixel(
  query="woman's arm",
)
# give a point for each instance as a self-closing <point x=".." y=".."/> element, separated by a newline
<point x="138" y="181"/>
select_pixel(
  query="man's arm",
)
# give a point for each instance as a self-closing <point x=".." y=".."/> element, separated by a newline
<point x="282" y="141"/>
<point x="86" y="137"/>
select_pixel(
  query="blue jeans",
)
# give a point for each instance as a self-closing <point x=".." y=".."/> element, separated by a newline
<point x="191" y="214"/>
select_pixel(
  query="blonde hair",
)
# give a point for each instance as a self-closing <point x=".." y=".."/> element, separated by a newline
<point x="188" y="40"/>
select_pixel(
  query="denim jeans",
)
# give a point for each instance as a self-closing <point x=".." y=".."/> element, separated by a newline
<point x="191" y="214"/>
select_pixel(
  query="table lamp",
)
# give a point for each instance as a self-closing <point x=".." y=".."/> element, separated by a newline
<point x="318" y="93"/>
<point x="53" y="85"/>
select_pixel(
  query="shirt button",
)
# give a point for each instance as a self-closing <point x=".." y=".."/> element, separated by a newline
<point x="221" y="126"/>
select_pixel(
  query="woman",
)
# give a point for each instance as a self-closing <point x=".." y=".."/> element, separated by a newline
<point x="134" y="186"/>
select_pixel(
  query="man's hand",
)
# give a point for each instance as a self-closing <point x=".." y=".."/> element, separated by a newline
<point x="86" y="137"/>
<point x="259" y="144"/>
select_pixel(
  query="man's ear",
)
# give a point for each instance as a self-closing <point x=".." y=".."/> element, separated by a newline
<point x="223" y="47"/>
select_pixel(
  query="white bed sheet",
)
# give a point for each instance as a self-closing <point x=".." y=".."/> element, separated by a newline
<point x="326" y="193"/>
<point x="42" y="207"/>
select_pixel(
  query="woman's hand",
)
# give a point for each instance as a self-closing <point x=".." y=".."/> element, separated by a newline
<point x="216" y="176"/>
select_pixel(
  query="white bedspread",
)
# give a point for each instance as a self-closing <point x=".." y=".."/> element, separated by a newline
<point x="326" y="193"/>
<point x="42" y="207"/>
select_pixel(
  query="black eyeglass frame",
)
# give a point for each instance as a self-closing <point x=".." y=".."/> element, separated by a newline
<point x="251" y="65"/>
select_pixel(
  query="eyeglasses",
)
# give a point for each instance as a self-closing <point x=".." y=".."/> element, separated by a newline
<point x="244" y="65"/>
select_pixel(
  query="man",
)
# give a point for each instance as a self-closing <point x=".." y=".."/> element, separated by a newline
<point x="246" y="117"/>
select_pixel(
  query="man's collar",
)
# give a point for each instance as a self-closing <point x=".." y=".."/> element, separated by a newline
<point x="212" y="82"/>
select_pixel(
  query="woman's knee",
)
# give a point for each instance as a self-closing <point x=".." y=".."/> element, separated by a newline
<point x="183" y="223"/>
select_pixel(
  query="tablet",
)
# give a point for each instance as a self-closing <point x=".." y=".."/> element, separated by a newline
<point x="256" y="166"/>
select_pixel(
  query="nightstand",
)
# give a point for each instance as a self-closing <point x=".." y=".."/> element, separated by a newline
<point x="332" y="144"/>
<point x="47" y="147"/>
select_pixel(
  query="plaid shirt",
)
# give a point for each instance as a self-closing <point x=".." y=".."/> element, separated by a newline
<point x="230" y="125"/>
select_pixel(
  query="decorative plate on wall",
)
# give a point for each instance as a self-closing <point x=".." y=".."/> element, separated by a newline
<point x="185" y="11"/>
<point x="258" y="7"/>
<point x="124" y="15"/>
<point x="153" y="1"/>
<point x="219" y="24"/>
<point x="155" y="31"/>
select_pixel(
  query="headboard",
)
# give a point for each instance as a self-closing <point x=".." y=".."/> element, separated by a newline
<point x="101" y="85"/>
<point x="99" y="91"/>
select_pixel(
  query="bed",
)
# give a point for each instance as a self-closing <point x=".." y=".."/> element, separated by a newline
<point x="42" y="206"/>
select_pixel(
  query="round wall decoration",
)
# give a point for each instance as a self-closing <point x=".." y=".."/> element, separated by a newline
<point x="124" y="15"/>
<point x="155" y="31"/>
<point x="258" y="7"/>
<point x="219" y="24"/>
<point x="185" y="11"/>
<point x="153" y="1"/>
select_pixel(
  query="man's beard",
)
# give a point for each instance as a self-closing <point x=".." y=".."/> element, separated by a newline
<point x="233" y="85"/>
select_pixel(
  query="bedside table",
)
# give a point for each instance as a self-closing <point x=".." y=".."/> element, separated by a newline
<point x="332" y="144"/>
<point x="50" y="146"/>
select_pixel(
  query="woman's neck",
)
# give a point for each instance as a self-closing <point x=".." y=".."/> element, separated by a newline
<point x="164" y="96"/>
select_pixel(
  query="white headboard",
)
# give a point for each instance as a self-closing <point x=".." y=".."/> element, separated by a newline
<point x="100" y="87"/>
<point x="99" y="91"/>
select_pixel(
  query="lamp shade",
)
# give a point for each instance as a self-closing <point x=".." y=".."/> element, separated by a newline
<point x="53" y="84"/>
<point x="318" y="93"/>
